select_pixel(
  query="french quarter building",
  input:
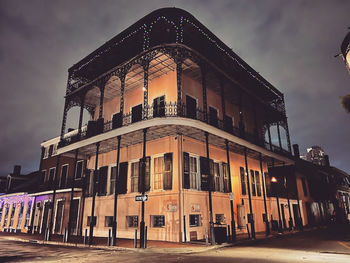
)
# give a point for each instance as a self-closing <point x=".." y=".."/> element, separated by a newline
<point x="180" y="137"/>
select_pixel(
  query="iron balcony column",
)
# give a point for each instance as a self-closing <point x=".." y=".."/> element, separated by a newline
<point x="72" y="195"/>
<point x="266" y="219"/>
<point x="143" y="186"/>
<point x="204" y="89"/>
<point x="64" y="119"/>
<point x="290" y="223"/>
<point x="114" y="228"/>
<point x="102" y="93"/>
<point x="53" y="197"/>
<point x="92" y="221"/>
<point x="269" y="134"/>
<point x="233" y="225"/>
<point x="145" y="92"/>
<point x="179" y="82"/>
<point x="241" y="120"/>
<point x="288" y="136"/>
<point x="251" y="216"/>
<point x="81" y="114"/>
<point x="279" y="136"/>
<point x="122" y="91"/>
<point x="211" y="223"/>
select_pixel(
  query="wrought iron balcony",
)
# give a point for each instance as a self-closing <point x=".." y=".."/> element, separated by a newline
<point x="166" y="110"/>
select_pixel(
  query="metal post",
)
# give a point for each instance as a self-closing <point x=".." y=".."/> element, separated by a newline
<point x="280" y="228"/>
<point x="143" y="186"/>
<point x="109" y="237"/>
<point x="72" y="195"/>
<point x="53" y="197"/>
<point x="92" y="221"/>
<point x="211" y="223"/>
<point x="269" y="134"/>
<point x="204" y="89"/>
<point x="279" y="136"/>
<point x="114" y="228"/>
<point x="290" y="223"/>
<point x="251" y="219"/>
<point x="267" y="226"/>
<point x="85" y="236"/>
<point x="185" y="238"/>
<point x="233" y="225"/>
<point x="102" y="92"/>
<point x="135" y="239"/>
<point x="145" y="244"/>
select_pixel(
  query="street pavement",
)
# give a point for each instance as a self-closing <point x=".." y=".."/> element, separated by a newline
<point x="321" y="245"/>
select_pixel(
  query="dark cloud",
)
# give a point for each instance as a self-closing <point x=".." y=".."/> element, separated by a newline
<point x="291" y="44"/>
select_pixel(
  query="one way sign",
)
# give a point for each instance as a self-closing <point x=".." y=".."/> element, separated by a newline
<point x="141" y="198"/>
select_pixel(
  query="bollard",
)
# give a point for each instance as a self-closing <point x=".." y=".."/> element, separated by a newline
<point x="135" y="239"/>
<point x="206" y="237"/>
<point x="85" y="236"/>
<point x="145" y="240"/>
<point x="248" y="231"/>
<point x="229" y="234"/>
<point x="109" y="237"/>
<point x="64" y="236"/>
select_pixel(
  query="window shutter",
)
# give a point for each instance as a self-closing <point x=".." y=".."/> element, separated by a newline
<point x="123" y="178"/>
<point x="186" y="171"/>
<point x="205" y="172"/>
<point x="102" y="180"/>
<point x="168" y="171"/>
<point x="144" y="166"/>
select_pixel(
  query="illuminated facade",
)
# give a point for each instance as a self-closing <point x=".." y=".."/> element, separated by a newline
<point x="177" y="118"/>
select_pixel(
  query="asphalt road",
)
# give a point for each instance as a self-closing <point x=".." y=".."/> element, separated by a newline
<point x="323" y="245"/>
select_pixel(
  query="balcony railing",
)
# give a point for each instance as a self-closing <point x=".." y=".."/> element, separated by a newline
<point x="162" y="111"/>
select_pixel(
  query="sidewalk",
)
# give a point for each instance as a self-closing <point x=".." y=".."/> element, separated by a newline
<point x="128" y="244"/>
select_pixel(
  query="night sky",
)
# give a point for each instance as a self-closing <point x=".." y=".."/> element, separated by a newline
<point x="290" y="43"/>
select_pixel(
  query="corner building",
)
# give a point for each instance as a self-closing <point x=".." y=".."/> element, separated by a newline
<point x="174" y="112"/>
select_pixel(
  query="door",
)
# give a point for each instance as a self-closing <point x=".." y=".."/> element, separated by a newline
<point x="136" y="113"/>
<point x="45" y="217"/>
<point x="213" y="116"/>
<point x="191" y="107"/>
<point x="59" y="216"/>
<point x="241" y="217"/>
<point x="283" y="216"/>
<point x="159" y="107"/>
<point x="75" y="214"/>
<point x="296" y="214"/>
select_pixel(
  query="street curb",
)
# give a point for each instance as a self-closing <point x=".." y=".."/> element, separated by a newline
<point x="170" y="250"/>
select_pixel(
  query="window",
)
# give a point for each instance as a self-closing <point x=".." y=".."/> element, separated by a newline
<point x="190" y="171"/>
<point x="193" y="173"/>
<point x="134" y="177"/>
<point x="243" y="181"/>
<point x="79" y="169"/>
<point x="46" y="153"/>
<point x="51" y="174"/>
<point x="216" y="177"/>
<point x="50" y="150"/>
<point x="75" y="212"/>
<point x="112" y="180"/>
<point x="64" y="173"/>
<point x="117" y="120"/>
<point x="158" y="172"/>
<point x="207" y="172"/>
<point x="158" y="221"/>
<point x="43" y="177"/>
<point x="195" y="220"/>
<point x="54" y="151"/>
<point x="108" y="221"/>
<point x="228" y="126"/>
<point x="253" y="183"/>
<point x="159" y="107"/>
<point x="191" y="107"/>
<point x="123" y="178"/>
<point x="132" y="221"/>
<point x="163" y="172"/>
<point x="219" y="219"/>
<point x="303" y="181"/>
<point x="258" y="183"/>
<point x="89" y="220"/>
<point x="226" y="179"/>
<point x="147" y="165"/>
<point x="59" y="216"/>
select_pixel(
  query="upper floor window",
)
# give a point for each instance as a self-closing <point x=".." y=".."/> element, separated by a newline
<point x="64" y="176"/>
<point x="217" y="177"/>
<point x="52" y="174"/>
<point x="190" y="173"/>
<point x="134" y="176"/>
<point x="191" y="107"/>
<point x="79" y="169"/>
<point x="227" y="187"/>
<point x="46" y="152"/>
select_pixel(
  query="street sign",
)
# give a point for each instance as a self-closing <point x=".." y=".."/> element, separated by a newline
<point x="141" y="198"/>
<point x="231" y="196"/>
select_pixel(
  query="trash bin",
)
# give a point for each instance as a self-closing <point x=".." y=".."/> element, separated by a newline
<point x="220" y="234"/>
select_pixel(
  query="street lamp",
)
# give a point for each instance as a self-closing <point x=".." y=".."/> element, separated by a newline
<point x="274" y="181"/>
